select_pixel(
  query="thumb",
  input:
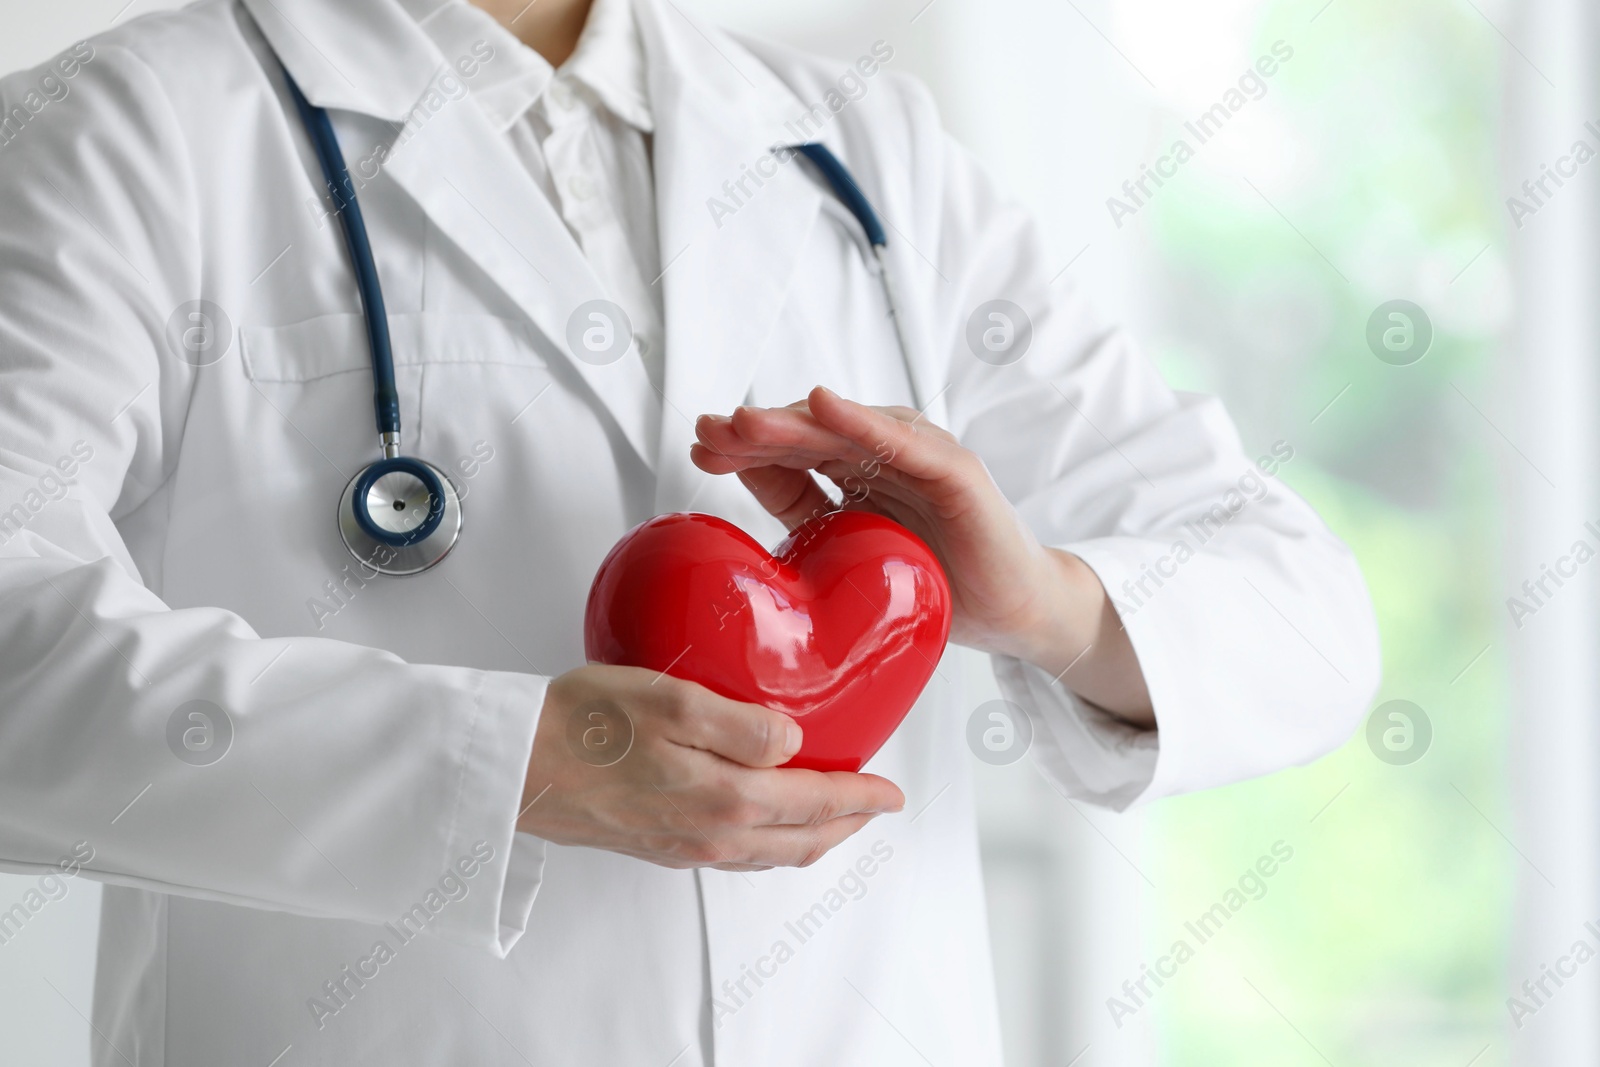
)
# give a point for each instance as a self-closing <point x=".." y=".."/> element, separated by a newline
<point x="790" y="496"/>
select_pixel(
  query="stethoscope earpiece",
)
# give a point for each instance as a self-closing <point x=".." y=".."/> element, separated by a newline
<point x="400" y="516"/>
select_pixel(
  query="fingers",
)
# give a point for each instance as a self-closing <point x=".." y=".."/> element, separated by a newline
<point x="747" y="734"/>
<point x="722" y="449"/>
<point x="703" y="786"/>
<point x="920" y="454"/>
<point x="770" y="434"/>
<point x="811" y="798"/>
<point x="824" y="427"/>
<point x="765" y="847"/>
<point x="790" y="496"/>
<point x="792" y="846"/>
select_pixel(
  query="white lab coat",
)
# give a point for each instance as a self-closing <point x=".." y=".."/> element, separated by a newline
<point x="381" y="740"/>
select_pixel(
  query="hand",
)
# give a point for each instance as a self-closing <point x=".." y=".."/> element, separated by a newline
<point x="690" y="779"/>
<point x="1010" y="594"/>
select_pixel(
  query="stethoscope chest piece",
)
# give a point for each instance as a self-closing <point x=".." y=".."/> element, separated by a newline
<point x="400" y="516"/>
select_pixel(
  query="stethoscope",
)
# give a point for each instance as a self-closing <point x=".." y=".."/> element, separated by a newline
<point x="400" y="515"/>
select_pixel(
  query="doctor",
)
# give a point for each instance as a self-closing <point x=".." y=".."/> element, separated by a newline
<point x="340" y="816"/>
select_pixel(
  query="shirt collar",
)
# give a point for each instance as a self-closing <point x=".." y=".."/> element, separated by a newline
<point x="609" y="60"/>
<point x="373" y="57"/>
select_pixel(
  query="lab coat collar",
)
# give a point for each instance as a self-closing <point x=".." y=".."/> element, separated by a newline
<point x="451" y="160"/>
<point x="728" y="258"/>
<point x="505" y="88"/>
<point x="367" y="56"/>
<point x="729" y="245"/>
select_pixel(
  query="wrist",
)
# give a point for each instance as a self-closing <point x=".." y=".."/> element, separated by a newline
<point x="540" y="775"/>
<point x="1067" y="611"/>
<point x="1084" y="646"/>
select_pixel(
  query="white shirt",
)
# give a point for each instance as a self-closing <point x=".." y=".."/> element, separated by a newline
<point x="583" y="132"/>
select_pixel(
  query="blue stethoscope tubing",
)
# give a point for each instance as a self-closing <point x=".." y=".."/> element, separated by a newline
<point x="844" y="186"/>
<point x="401" y="515"/>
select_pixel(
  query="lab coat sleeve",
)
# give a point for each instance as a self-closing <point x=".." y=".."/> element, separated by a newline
<point x="350" y="784"/>
<point x="1250" y="619"/>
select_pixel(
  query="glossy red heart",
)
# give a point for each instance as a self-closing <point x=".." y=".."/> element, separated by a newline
<point x="840" y="626"/>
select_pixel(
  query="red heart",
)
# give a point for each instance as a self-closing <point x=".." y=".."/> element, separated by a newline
<point x="840" y="627"/>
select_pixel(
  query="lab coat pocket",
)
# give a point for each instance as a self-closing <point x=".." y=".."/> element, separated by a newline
<point x="337" y="344"/>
